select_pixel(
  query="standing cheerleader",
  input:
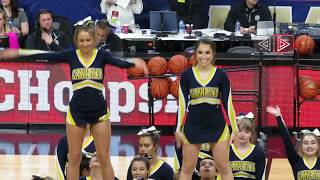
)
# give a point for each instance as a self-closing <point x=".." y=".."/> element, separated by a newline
<point x="203" y="90"/>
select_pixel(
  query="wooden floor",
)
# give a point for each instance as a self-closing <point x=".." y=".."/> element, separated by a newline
<point x="22" y="167"/>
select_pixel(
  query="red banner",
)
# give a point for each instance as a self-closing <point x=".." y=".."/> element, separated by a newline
<point x="39" y="93"/>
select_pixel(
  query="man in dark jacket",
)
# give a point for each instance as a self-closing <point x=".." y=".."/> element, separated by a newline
<point x="190" y="11"/>
<point x="249" y="12"/>
<point x="45" y="37"/>
<point x="105" y="38"/>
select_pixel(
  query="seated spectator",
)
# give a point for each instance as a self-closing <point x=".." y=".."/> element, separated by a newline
<point x="190" y="11"/>
<point x="45" y="37"/>
<point x="140" y="168"/>
<point x="249" y="12"/>
<point x="16" y="17"/>
<point x="117" y="16"/>
<point x="149" y="141"/>
<point x="105" y="38"/>
<point x="13" y="41"/>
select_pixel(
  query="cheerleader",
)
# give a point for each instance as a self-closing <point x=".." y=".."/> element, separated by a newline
<point x="88" y="105"/>
<point x="149" y="142"/>
<point x="203" y="90"/>
<point x="247" y="160"/>
<point x="305" y="163"/>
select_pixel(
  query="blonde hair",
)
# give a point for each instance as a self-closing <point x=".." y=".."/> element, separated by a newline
<point x="299" y="148"/>
<point x="87" y="26"/>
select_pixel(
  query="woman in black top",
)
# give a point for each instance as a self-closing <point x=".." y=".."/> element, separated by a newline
<point x="305" y="163"/>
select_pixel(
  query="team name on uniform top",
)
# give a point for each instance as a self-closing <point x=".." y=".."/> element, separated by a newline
<point x="243" y="166"/>
<point x="200" y="92"/>
<point x="309" y="174"/>
<point x="86" y="73"/>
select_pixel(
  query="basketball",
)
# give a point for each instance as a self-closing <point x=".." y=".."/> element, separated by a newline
<point x="159" y="88"/>
<point x="174" y="88"/>
<point x="304" y="45"/>
<point x="177" y="64"/>
<point x="308" y="89"/>
<point x="135" y="72"/>
<point x="193" y="60"/>
<point x="157" y="66"/>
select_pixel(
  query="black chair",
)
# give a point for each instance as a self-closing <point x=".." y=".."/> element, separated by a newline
<point x="242" y="50"/>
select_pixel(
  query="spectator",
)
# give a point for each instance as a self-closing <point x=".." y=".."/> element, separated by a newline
<point x="13" y="41"/>
<point x="249" y="12"/>
<point x="16" y="17"/>
<point x="117" y="16"/>
<point x="45" y="37"/>
<point x="105" y="38"/>
<point x="190" y="12"/>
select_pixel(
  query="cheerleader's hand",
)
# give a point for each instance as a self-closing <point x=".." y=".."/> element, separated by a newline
<point x="141" y="63"/>
<point x="274" y="110"/>
<point x="179" y="141"/>
<point x="9" y="54"/>
<point x="232" y="138"/>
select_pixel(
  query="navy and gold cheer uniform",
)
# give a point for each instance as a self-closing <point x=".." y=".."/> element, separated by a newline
<point x="247" y="165"/>
<point x="205" y="122"/>
<point x="205" y="152"/>
<point x="302" y="169"/>
<point x="87" y="105"/>
<point x="62" y="154"/>
<point x="160" y="171"/>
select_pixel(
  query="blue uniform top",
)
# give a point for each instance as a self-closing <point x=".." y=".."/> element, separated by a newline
<point x="247" y="165"/>
<point x="87" y="102"/>
<point x="62" y="154"/>
<point x="160" y="171"/>
<point x="203" y="98"/>
<point x="302" y="169"/>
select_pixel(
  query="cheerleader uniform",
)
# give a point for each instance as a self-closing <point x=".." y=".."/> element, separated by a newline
<point x="205" y="152"/>
<point x="302" y="169"/>
<point x="87" y="105"/>
<point x="248" y="165"/>
<point x="160" y="171"/>
<point x="205" y="122"/>
<point x="62" y="154"/>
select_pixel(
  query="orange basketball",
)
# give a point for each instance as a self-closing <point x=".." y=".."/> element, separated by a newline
<point x="159" y="88"/>
<point x="308" y="89"/>
<point x="192" y="60"/>
<point x="174" y="88"/>
<point x="135" y="72"/>
<point x="177" y="64"/>
<point x="304" y="44"/>
<point x="157" y="66"/>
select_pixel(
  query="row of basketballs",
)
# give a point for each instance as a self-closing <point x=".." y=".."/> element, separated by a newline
<point x="161" y="85"/>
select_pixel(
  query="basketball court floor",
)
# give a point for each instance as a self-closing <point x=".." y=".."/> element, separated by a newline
<point x="23" y="155"/>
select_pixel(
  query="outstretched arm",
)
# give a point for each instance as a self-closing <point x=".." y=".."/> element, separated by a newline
<point x="32" y="54"/>
<point x="291" y="152"/>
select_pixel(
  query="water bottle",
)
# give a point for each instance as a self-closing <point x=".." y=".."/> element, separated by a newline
<point x="181" y="27"/>
<point x="237" y="28"/>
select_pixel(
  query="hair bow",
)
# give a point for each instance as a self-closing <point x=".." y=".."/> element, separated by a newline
<point x="316" y="132"/>
<point x="81" y="22"/>
<point x="151" y="129"/>
<point x="88" y="155"/>
<point x="249" y="116"/>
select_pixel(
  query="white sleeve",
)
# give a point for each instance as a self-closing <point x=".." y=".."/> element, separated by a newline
<point x="137" y="7"/>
